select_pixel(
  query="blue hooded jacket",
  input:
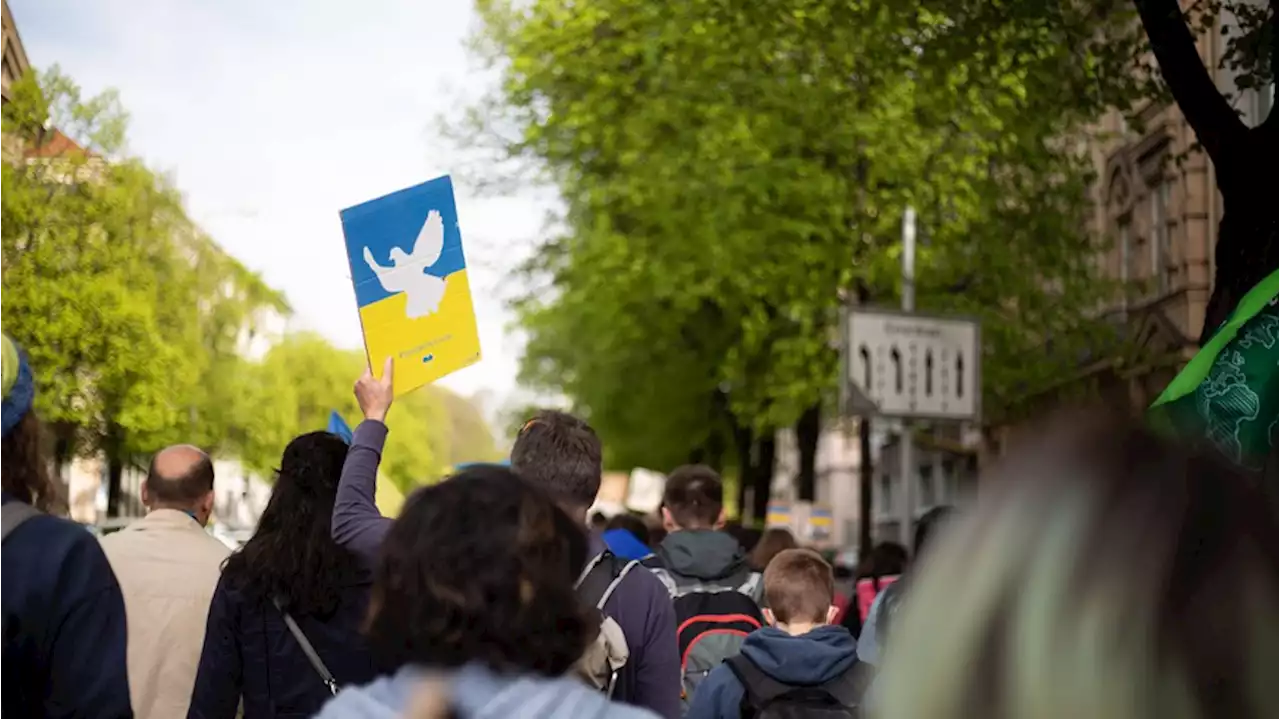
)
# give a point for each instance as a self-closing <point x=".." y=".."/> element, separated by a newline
<point x="813" y="658"/>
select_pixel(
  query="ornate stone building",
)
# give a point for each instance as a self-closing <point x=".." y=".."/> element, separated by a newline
<point x="1157" y="203"/>
<point x="14" y="55"/>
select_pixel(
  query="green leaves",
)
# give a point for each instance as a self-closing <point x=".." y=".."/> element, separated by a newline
<point x="729" y="171"/>
<point x="136" y="321"/>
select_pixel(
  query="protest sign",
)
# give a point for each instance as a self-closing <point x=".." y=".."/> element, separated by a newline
<point x="411" y="284"/>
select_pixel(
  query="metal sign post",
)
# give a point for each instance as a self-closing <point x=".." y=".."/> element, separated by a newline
<point x="899" y="364"/>
<point x="905" y="457"/>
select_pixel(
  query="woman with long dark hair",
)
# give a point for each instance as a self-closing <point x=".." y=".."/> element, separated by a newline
<point x="291" y="569"/>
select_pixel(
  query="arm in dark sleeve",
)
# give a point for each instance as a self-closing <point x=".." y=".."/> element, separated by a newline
<point x="87" y="658"/>
<point x="658" y="672"/>
<point x="219" y="678"/>
<point x="357" y="523"/>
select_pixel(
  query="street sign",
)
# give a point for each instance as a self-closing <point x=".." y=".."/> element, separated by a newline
<point x="913" y="366"/>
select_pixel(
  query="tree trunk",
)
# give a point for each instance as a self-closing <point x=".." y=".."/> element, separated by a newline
<point x="710" y="452"/>
<point x="743" y="441"/>
<point x="762" y="471"/>
<point x="1244" y="159"/>
<point x="113" y="448"/>
<point x="866" y="471"/>
<point x="714" y="451"/>
<point x="808" y="430"/>
<point x="63" y="448"/>
<point x="115" y="471"/>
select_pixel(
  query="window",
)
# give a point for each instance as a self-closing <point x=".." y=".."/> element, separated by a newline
<point x="1160" y="236"/>
<point x="886" y="494"/>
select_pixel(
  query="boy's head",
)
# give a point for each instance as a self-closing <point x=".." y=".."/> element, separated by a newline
<point x="693" y="499"/>
<point x="799" y="589"/>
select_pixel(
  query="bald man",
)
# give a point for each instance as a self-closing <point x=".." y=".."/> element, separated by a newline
<point x="168" y="566"/>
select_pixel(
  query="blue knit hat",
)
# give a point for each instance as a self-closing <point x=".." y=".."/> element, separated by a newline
<point x="19" y="386"/>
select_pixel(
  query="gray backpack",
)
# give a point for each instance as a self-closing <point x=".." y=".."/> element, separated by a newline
<point x="14" y="515"/>
<point x="604" y="659"/>
<point x="712" y="621"/>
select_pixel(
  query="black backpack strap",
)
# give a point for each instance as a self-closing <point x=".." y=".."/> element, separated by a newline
<point x="653" y="561"/>
<point x="597" y="577"/>
<point x="758" y="688"/>
<point x="849" y="686"/>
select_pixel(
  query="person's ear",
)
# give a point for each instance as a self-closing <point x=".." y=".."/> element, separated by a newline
<point x="205" y="510"/>
<point x="832" y="611"/>
<point x="720" y="520"/>
<point x="768" y="617"/>
<point x="668" y="522"/>
<point x="144" y="495"/>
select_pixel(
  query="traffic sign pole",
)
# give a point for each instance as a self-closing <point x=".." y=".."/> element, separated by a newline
<point x="907" y="367"/>
<point x="906" y="456"/>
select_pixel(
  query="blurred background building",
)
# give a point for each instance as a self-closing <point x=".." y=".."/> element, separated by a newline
<point x="14" y="55"/>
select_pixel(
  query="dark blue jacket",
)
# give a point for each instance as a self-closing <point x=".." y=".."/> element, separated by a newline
<point x="64" y="624"/>
<point x="819" y="656"/>
<point x="248" y="651"/>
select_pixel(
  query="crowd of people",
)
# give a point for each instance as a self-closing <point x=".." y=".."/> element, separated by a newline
<point x="1102" y="572"/>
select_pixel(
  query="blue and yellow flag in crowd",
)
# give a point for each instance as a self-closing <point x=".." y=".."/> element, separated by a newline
<point x="339" y="426"/>
<point x="1227" y="393"/>
<point x="410" y="277"/>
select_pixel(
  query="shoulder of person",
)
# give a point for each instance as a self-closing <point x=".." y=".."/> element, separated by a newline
<point x="58" y="538"/>
<point x="643" y="581"/>
<point x="215" y="547"/>
<point x="71" y="551"/>
<point x="380" y="699"/>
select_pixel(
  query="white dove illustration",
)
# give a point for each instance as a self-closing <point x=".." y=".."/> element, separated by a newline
<point x="408" y="274"/>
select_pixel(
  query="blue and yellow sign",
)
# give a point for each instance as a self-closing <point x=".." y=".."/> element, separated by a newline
<point x="411" y="284"/>
<point x="778" y="514"/>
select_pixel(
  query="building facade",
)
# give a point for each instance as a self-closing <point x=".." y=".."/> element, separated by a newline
<point x="15" y="61"/>
<point x="1156" y="202"/>
<point x="836" y="482"/>
<point x="1157" y="205"/>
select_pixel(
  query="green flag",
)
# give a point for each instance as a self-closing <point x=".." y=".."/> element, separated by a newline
<point x="1227" y="392"/>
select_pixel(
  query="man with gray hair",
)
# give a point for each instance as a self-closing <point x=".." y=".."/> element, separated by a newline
<point x="168" y="567"/>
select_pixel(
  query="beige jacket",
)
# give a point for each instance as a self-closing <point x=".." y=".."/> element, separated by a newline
<point x="168" y="567"/>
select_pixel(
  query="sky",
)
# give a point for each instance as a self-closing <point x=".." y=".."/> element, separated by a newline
<point x="273" y="116"/>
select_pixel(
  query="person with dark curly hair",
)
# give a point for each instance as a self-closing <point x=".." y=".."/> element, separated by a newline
<point x="64" y="618"/>
<point x="485" y="610"/>
<point x="291" y="569"/>
<point x="561" y="455"/>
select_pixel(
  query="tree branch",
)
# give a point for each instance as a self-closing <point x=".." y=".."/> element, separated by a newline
<point x="1207" y="111"/>
<point x="1274" y="115"/>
